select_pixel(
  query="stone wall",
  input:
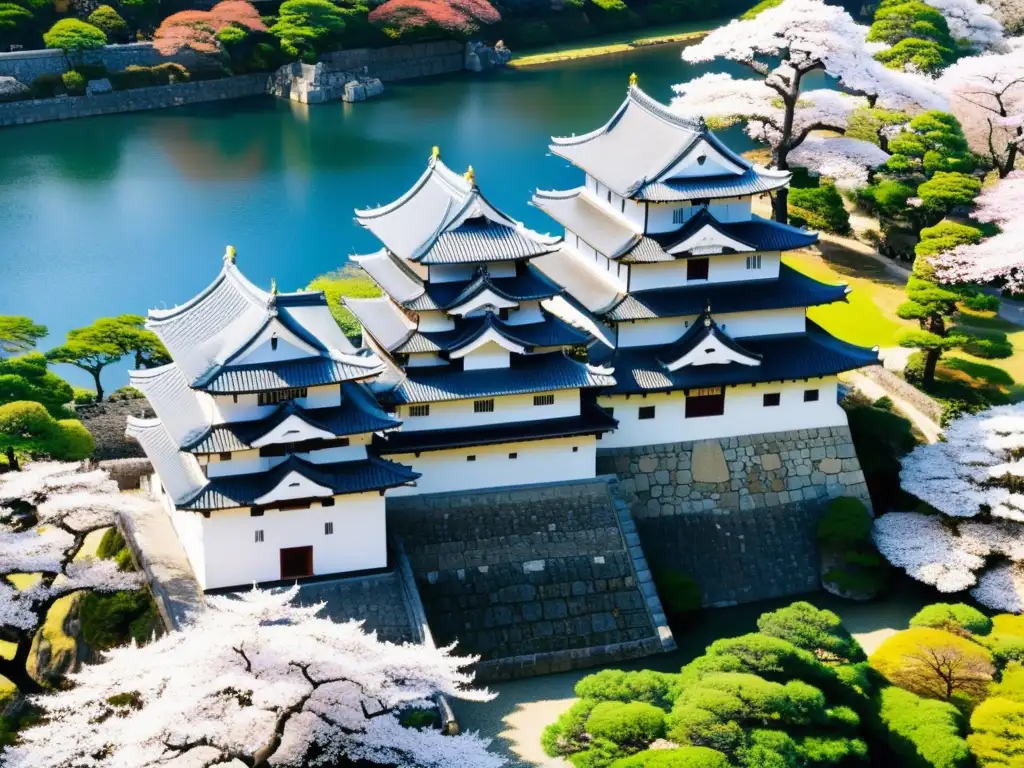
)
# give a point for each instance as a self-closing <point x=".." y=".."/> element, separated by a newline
<point x="136" y="99"/>
<point x="402" y="62"/>
<point x="738" y="514"/>
<point x="26" y="66"/>
<point x="890" y="382"/>
<point x="106" y="422"/>
<point x="534" y="579"/>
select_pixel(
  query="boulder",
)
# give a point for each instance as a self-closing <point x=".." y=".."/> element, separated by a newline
<point x="95" y="87"/>
<point x="480" y="57"/>
<point x="11" y="87"/>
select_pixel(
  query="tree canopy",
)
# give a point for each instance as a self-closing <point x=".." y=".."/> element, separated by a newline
<point x="198" y="30"/>
<point x="307" y="27"/>
<point x="935" y="664"/>
<point x="461" y="17"/>
<point x="27" y="429"/>
<point x="27" y="377"/>
<point x="19" y="334"/>
<point x="74" y="36"/>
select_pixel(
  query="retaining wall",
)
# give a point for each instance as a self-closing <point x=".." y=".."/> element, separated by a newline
<point x="738" y="514"/>
<point x="26" y="66"/>
<point x="891" y="382"/>
<point x="134" y="100"/>
<point x="106" y="422"/>
<point x="402" y="62"/>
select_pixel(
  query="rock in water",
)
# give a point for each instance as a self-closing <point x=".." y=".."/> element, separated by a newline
<point x="94" y="87"/>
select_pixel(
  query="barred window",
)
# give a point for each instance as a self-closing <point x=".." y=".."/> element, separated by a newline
<point x="679" y="216"/>
<point x="328" y="529"/>
<point x="754" y="261"/>
<point x="419" y="410"/>
<point x="543" y="399"/>
<point x="483" y="406"/>
<point x="259" y="536"/>
<point x="280" y="395"/>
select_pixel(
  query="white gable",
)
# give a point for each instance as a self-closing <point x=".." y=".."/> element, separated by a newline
<point x="489" y="355"/>
<point x="714" y="163"/>
<point x="262" y="348"/>
<point x="294" y="486"/>
<point x="482" y="301"/>
<point x="291" y="430"/>
<point x="491" y="336"/>
<point x="711" y="351"/>
<point x="707" y="240"/>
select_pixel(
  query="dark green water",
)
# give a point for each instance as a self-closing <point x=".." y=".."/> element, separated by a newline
<point x="118" y="214"/>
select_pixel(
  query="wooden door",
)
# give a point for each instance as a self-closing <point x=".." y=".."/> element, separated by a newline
<point x="296" y="562"/>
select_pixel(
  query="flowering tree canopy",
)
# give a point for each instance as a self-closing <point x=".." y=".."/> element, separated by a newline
<point x="400" y="17"/>
<point x="197" y="30"/>
<point x="46" y="511"/>
<point x="1000" y="256"/>
<point x="971" y="23"/>
<point x="987" y="94"/>
<point x="255" y="681"/>
<point x="846" y="160"/>
<point x="977" y="540"/>
<point x="807" y="35"/>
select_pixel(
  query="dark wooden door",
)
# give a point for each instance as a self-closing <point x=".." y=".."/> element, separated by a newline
<point x="296" y="562"/>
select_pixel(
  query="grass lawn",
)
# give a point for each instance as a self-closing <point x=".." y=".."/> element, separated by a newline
<point x="868" y="316"/>
<point x="618" y="42"/>
<point x="1006" y="375"/>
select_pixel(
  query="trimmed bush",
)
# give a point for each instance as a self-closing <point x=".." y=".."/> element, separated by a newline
<point x="982" y="302"/>
<point x="844" y="523"/>
<point x="922" y="733"/>
<point x="567" y="735"/>
<point x="631" y="726"/>
<point x="647" y="686"/>
<point x="109" y="620"/>
<point x="125" y="393"/>
<point x="820" y="208"/>
<point x="995" y="347"/>
<point x="47" y="86"/>
<point x="135" y="76"/>
<point x="963" y="677"/>
<point x="812" y="629"/>
<point x="953" y="617"/>
<point x="74" y="82"/>
<point x="84" y="396"/>
<point x="74" y="35"/>
<point x="684" y="757"/>
<point x="110" y="21"/>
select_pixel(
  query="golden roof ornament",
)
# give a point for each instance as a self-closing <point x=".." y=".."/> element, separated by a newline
<point x="632" y="80"/>
<point x="469" y="175"/>
<point x="229" y="254"/>
<point x="435" y="153"/>
<point x="273" y="286"/>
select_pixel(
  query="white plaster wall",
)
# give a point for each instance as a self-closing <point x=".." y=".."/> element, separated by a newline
<point x="614" y="272"/>
<point x="665" y="330"/>
<point x="424" y="359"/>
<point x="234" y="558"/>
<point x="189" y="528"/>
<point x="452" y="414"/>
<point x="289" y="347"/>
<point x="725" y="209"/>
<point x="451" y="273"/>
<point x="225" y="410"/>
<point x="489" y="355"/>
<point x="334" y="455"/>
<point x="631" y="210"/>
<point x="722" y="268"/>
<point x="250" y="462"/>
<point x="433" y="320"/>
<point x="540" y="461"/>
<point x="715" y="164"/>
<point x="744" y="414"/>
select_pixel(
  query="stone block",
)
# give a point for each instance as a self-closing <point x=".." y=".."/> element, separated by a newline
<point x="770" y="461"/>
<point x="709" y="463"/>
<point x="533" y="566"/>
<point x="846" y="451"/>
<point x="830" y="466"/>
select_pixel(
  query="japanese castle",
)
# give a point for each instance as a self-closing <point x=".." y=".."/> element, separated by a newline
<point x="496" y="355"/>
<point x="262" y="441"/>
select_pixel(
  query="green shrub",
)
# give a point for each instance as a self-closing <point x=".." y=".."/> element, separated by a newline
<point x="567" y="735"/>
<point x="1005" y="649"/>
<point x="913" y="371"/>
<point x="657" y="688"/>
<point x="631" y="726"/>
<point x="112" y="619"/>
<point x="888" y="197"/>
<point x="884" y="402"/>
<point x="922" y="733"/>
<point x="110" y="21"/>
<point x="135" y="76"/>
<point x="982" y="302"/>
<point x="812" y="629"/>
<point x="125" y="393"/>
<point x="263" y="57"/>
<point x="988" y="347"/>
<point x="47" y="86"/>
<point x="821" y="208"/>
<point x="953" y="617"/>
<point x="110" y="544"/>
<point x="91" y="71"/>
<point x="420" y="718"/>
<point x="678" y="591"/>
<point x="345" y="282"/>
<point x="997" y="724"/>
<point x="683" y="757"/>
<point x="84" y="396"/>
<point x="845" y="523"/>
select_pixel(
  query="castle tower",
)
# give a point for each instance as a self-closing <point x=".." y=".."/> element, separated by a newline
<point x="262" y="436"/>
<point x="486" y="355"/>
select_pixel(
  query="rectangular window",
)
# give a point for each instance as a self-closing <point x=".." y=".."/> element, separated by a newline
<point x="328" y="529"/>
<point x="543" y="399"/>
<point x="678" y="215"/>
<point x="697" y="269"/>
<point x="645" y="412"/>
<point x="225" y="456"/>
<point x="419" y="410"/>
<point x="623" y="208"/>
<point x="772" y="399"/>
<point x="754" y="262"/>
<point x="259" y="536"/>
<point x="810" y="395"/>
<point x="471" y="458"/>
<point x="303" y="446"/>
<point x="253" y="512"/>
<point x="709" y="401"/>
<point x="280" y="395"/>
<point x="513" y="455"/>
<point x="483" y="406"/>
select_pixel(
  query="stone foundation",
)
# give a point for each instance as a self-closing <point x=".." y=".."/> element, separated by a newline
<point x="322" y="82"/>
<point x="534" y="579"/>
<point x="738" y="514"/>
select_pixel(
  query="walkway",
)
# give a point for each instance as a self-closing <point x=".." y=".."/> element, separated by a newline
<point x="873" y="391"/>
<point x="156" y="548"/>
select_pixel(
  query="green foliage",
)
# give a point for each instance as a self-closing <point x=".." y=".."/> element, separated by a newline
<point x="945" y="236"/>
<point x="420" y="718"/>
<point x="143" y="13"/>
<point x="15" y="23"/>
<point x="844" y="523"/>
<point x="812" y="629"/>
<point x="19" y="334"/>
<point x="110" y="21"/>
<point x="933" y="141"/>
<point x="896" y="21"/>
<point x="981" y="302"/>
<point x="764" y="5"/>
<point x="844" y="535"/>
<point x="346" y="282"/>
<point x="907" y="659"/>
<point x="881" y="438"/>
<point x="109" y="620"/>
<point x="27" y="429"/>
<point x="867" y="123"/>
<point x="887" y="197"/>
<point x="74" y="82"/>
<point x="953" y="617"/>
<point x="884" y="402"/>
<point x="684" y="757"/>
<point x="27" y="377"/>
<point x="631" y="726"/>
<point x="657" y="688"/>
<point x="135" y="76"/>
<point x="944" y="191"/>
<point x="679" y="591"/>
<point x="987" y="346"/>
<point x="567" y="735"/>
<point x="74" y="36"/>
<point x="922" y="733"/>
<point x="307" y="27"/>
<point x="125" y="393"/>
<point x="110" y="544"/>
<point x="925" y="55"/>
<point x="83" y="396"/>
<point x="819" y="208"/>
<point x="47" y="86"/>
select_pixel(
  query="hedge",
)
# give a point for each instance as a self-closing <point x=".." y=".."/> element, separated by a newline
<point x="820" y="208"/>
<point x="922" y="733"/>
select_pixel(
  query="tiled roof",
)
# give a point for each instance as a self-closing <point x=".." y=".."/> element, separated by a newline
<point x="754" y="182"/>
<point x="342" y="478"/>
<point x="176" y="404"/>
<point x="528" y="373"/>
<point x="584" y="217"/>
<point x="395" y="278"/>
<point x="643" y="140"/>
<point x="757" y="234"/>
<point x="305" y="372"/>
<point x="388" y="324"/>
<point x="551" y="332"/>
<point x="180" y="473"/>
<point x="357" y="414"/>
<point x="529" y="284"/>
<point x="790" y="356"/>
<point x="580" y="281"/>
<point x="704" y="327"/>
<point x="444" y="219"/>
<point x="790" y="289"/>
<point x="592" y="420"/>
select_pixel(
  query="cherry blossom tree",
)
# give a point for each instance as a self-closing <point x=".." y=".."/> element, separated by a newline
<point x="808" y="36"/>
<point x="971" y="23"/>
<point x="1010" y="14"/>
<point x="462" y="17"/>
<point x="976" y="538"/>
<point x="46" y="511"/>
<point x="197" y="30"/>
<point x="1000" y="257"/>
<point x="987" y="95"/>
<point x="255" y="681"/>
<point x="847" y="161"/>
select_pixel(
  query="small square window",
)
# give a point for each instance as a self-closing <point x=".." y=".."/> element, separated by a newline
<point x="471" y="458"/>
<point x="810" y="395"/>
<point x="575" y="449"/>
<point x="697" y="269"/>
<point x="513" y="455"/>
<point x="225" y="456"/>
<point x="483" y="406"/>
<point x="543" y="399"/>
<point x="259" y="536"/>
<point x="328" y="529"/>
<point x="772" y="399"/>
<point x="419" y="410"/>
<point x="645" y="412"/>
<point x="328" y="502"/>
